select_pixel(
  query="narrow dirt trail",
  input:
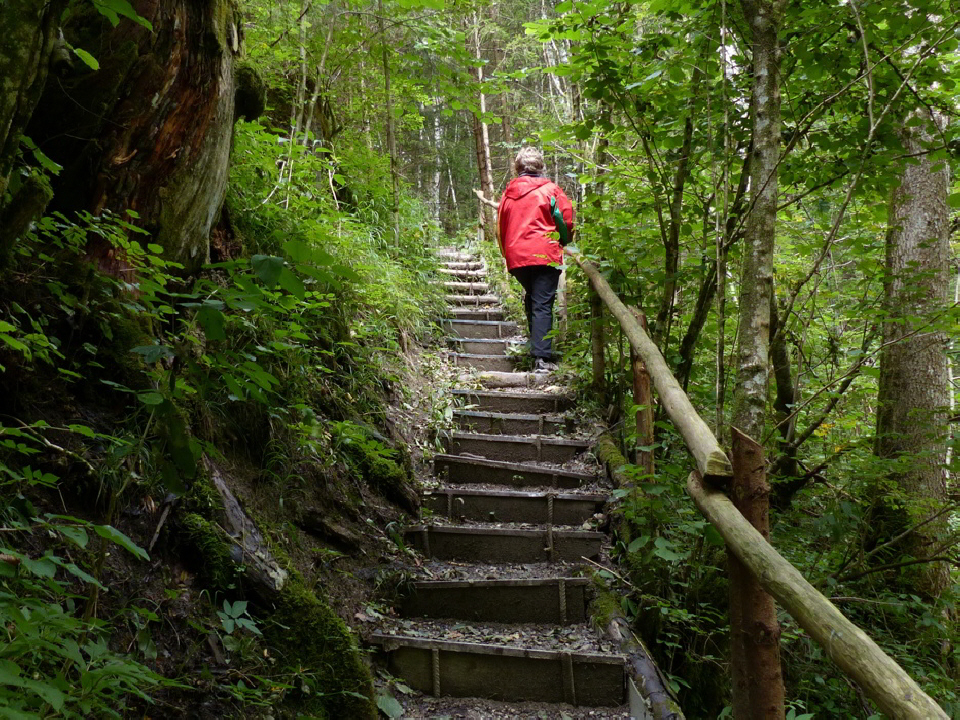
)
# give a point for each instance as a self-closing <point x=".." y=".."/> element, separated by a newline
<point x="497" y="625"/>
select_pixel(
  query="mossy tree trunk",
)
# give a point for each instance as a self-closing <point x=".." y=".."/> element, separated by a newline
<point x="150" y="131"/>
<point x="913" y="395"/>
<point x="28" y="32"/>
<point x="28" y="36"/>
<point x="751" y="699"/>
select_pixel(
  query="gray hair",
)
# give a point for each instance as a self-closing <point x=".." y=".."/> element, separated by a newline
<point x="529" y="160"/>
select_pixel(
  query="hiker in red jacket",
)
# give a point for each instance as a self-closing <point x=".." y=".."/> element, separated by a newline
<point x="532" y="208"/>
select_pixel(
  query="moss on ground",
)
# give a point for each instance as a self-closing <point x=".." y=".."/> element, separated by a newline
<point x="314" y="641"/>
<point x="211" y="549"/>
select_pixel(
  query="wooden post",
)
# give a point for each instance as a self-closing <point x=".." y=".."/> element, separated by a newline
<point x="596" y="344"/>
<point x="642" y="397"/>
<point x="754" y="631"/>
<point x="712" y="462"/>
<point x="882" y="680"/>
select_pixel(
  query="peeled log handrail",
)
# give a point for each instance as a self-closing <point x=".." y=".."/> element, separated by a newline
<point x="713" y="463"/>
<point x="859" y="657"/>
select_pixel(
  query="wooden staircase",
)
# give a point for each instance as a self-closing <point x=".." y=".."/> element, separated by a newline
<point x="500" y="612"/>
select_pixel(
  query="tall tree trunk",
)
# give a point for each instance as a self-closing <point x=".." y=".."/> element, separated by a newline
<point x="391" y="127"/>
<point x="437" y="158"/>
<point x="913" y="394"/>
<point x="756" y="286"/>
<point x="482" y="140"/>
<point x="150" y="131"/>
<point x="671" y="245"/>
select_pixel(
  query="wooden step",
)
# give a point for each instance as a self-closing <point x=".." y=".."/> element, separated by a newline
<point x="482" y="346"/>
<point x="494" y="314"/>
<point x="495" y="363"/>
<point x="459" y="469"/>
<point x="515" y="448"/>
<point x="467" y="288"/>
<point x="456" y="255"/>
<point x="460" y="299"/>
<point x="503" y="545"/>
<point x="492" y="423"/>
<point x="480" y="329"/>
<point x="505" y="401"/>
<point x="464" y="275"/>
<point x="558" y="601"/>
<point x="506" y="506"/>
<point x="455" y="266"/>
<point x="491" y="671"/>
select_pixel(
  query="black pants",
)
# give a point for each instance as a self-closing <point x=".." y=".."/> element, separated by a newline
<point x="539" y="291"/>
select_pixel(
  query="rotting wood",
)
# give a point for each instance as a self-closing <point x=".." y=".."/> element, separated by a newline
<point x="854" y="652"/>
<point x="644" y="671"/>
<point x="640" y="664"/>
<point x="248" y="548"/>
<point x="700" y="440"/>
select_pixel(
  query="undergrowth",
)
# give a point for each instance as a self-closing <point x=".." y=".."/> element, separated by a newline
<point x="127" y="377"/>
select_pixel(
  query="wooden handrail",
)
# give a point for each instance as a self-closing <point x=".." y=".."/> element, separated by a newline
<point x="711" y="460"/>
<point x="859" y="657"/>
<point x="883" y="681"/>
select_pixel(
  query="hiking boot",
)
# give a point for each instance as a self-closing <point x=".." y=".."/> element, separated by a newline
<point x="542" y="365"/>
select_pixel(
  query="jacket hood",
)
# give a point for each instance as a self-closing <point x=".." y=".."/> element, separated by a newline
<point x="523" y="185"/>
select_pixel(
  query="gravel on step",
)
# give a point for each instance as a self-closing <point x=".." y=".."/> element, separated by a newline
<point x="559" y="638"/>
<point x="590" y="525"/>
<point x="424" y="707"/>
<point x="595" y="488"/>
<point x="584" y="463"/>
<point x="453" y="570"/>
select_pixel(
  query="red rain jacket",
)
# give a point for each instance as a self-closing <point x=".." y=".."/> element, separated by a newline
<point x="525" y="220"/>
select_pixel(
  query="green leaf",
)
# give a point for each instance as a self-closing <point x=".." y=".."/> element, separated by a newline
<point x="89" y="60"/>
<point x="82" y="430"/>
<point x="298" y="250"/>
<point x="292" y="284"/>
<point x="74" y="570"/>
<point x="267" y="268"/>
<point x="153" y="353"/>
<point x="954" y="200"/>
<point x="112" y="8"/>
<point x="108" y="532"/>
<point x="712" y="536"/>
<point x="388" y="705"/>
<point x="76" y="534"/>
<point x="151" y="398"/>
<point x="213" y="322"/>
<point x="41" y="568"/>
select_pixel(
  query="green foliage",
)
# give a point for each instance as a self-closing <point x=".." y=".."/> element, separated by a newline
<point x="54" y="661"/>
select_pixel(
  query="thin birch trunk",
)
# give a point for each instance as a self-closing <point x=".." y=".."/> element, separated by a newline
<point x="750" y="395"/>
<point x="391" y="127"/>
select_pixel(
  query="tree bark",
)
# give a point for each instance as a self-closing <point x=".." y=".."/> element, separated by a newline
<point x="750" y="392"/>
<point x="598" y="362"/>
<point x="28" y="34"/>
<point x="391" y="128"/>
<point x="150" y="130"/>
<point x="482" y="140"/>
<point x="643" y="398"/>
<point x="754" y="630"/>
<point x="883" y="681"/>
<point x="913" y="393"/>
